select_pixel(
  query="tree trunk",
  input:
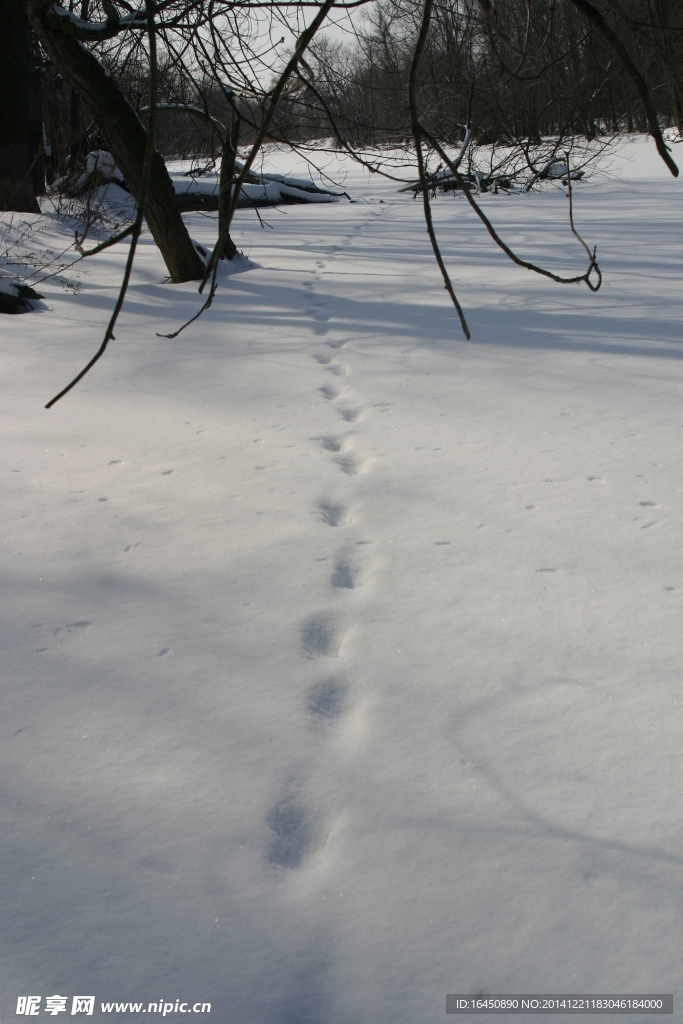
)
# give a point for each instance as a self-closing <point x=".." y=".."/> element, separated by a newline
<point x="228" y="157"/>
<point x="21" y="128"/>
<point x="75" y="127"/>
<point x="125" y="135"/>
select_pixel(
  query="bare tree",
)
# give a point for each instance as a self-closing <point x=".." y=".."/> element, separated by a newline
<point x="62" y="37"/>
<point x="524" y="78"/>
<point x="21" y="149"/>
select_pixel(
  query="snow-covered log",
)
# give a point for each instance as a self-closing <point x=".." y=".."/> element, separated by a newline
<point x="270" y="193"/>
<point x="201" y="193"/>
<point x="16" y="297"/>
<point x="445" y="181"/>
<point x="262" y="190"/>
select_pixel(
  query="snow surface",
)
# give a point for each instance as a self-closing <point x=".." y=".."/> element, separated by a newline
<point x="274" y="188"/>
<point x="9" y="287"/>
<point x="342" y="657"/>
<point x="103" y="162"/>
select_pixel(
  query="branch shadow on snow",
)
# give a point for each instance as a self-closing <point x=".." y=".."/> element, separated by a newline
<point x="246" y="304"/>
<point x="117" y="789"/>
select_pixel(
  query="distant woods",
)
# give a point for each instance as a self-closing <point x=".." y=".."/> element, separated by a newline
<point x="515" y="70"/>
<point x="217" y="79"/>
<point x="21" y="133"/>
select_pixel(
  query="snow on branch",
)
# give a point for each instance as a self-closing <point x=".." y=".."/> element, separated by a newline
<point x="89" y="31"/>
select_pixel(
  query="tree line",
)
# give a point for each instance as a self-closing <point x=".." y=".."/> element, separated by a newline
<point x="223" y="77"/>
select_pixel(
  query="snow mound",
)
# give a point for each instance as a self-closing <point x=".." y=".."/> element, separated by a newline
<point x="16" y="297"/>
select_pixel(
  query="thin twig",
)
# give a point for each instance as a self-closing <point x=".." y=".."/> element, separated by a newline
<point x="112" y="240"/>
<point x="589" y="254"/>
<point x="417" y="138"/>
<point x="212" y="263"/>
<point x="137" y="224"/>
<point x="302" y="44"/>
<point x="496" y="237"/>
<point x="595" y="17"/>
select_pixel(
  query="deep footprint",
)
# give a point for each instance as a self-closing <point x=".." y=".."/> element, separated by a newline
<point x="327" y="699"/>
<point x="338" y="370"/>
<point x="350" y="415"/>
<point x="350" y="465"/>
<point x="293" y="833"/>
<point x="331" y="444"/>
<point x="320" y="637"/>
<point x="333" y="514"/>
<point x="343" y="577"/>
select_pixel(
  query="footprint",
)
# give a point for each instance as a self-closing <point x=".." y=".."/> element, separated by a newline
<point x="337" y="343"/>
<point x="329" y="394"/>
<point x="321" y="637"/>
<point x="333" y="514"/>
<point x="650" y="504"/>
<point x="79" y="624"/>
<point x="599" y="478"/>
<point x="350" y="464"/>
<point x="320" y="314"/>
<point x="343" y="577"/>
<point x="114" y="462"/>
<point x="330" y="443"/>
<point x="327" y="698"/>
<point x="323" y="358"/>
<point x="350" y="415"/>
<point x="293" y="833"/>
<point x="164" y="651"/>
<point x="338" y="370"/>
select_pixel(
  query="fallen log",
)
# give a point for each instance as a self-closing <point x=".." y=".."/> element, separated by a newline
<point x="16" y="297"/>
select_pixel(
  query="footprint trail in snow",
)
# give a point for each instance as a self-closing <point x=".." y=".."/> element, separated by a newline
<point x="296" y="831"/>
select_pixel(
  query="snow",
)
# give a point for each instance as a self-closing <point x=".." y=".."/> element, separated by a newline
<point x="9" y="287"/>
<point x="92" y="28"/>
<point x="273" y="189"/>
<point x="270" y="192"/>
<point x="103" y="162"/>
<point x="342" y="657"/>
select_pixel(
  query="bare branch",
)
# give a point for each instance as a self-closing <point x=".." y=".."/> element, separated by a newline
<point x="593" y="15"/>
<point x="417" y="138"/>
<point x="496" y="237"/>
<point x="137" y="224"/>
<point x="105" y="245"/>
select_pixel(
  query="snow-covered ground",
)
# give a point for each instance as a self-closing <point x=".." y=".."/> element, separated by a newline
<point x="342" y="657"/>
